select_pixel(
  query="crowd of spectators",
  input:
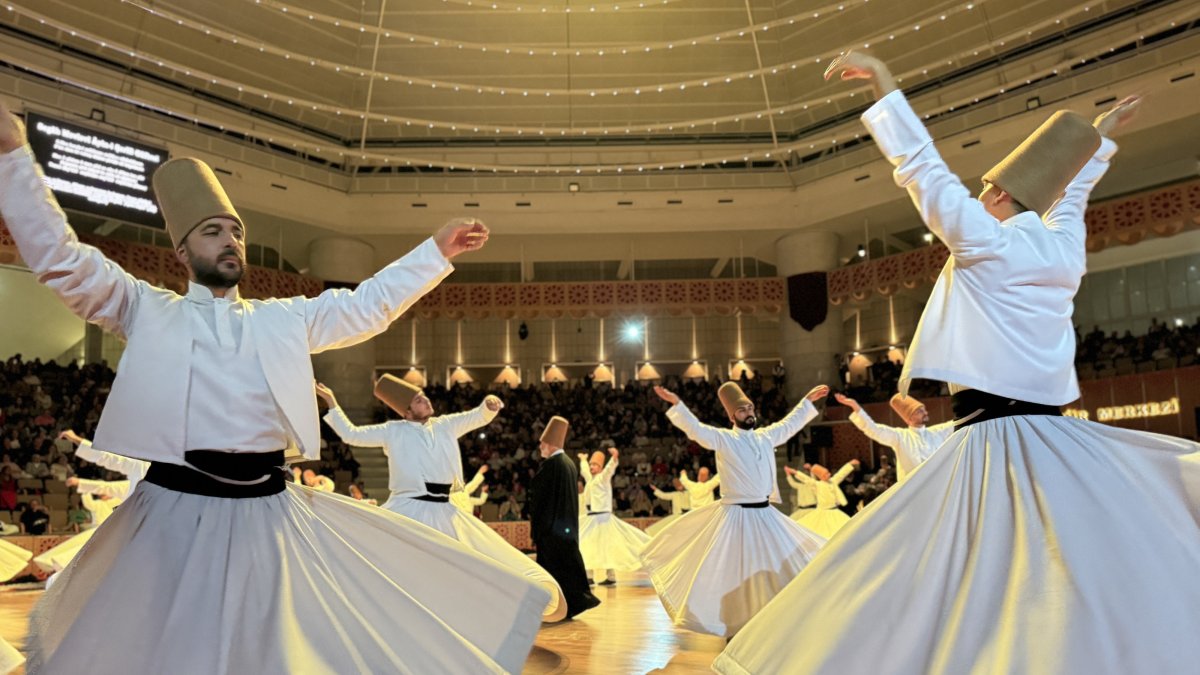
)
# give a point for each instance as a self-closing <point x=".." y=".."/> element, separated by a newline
<point x="1098" y="354"/>
<point x="38" y="401"/>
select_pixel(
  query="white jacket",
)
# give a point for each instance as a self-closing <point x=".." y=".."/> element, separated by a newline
<point x="146" y="412"/>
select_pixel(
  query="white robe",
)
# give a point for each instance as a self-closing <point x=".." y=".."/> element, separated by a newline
<point x="913" y="445"/>
<point x="461" y="495"/>
<point x="806" y="497"/>
<point x="1026" y="544"/>
<point x="718" y="565"/>
<point x="248" y="585"/>
<point x="428" y="453"/>
<point x="605" y="541"/>
<point x="700" y="492"/>
<point x="56" y="559"/>
<point x="826" y="518"/>
<point x="681" y="502"/>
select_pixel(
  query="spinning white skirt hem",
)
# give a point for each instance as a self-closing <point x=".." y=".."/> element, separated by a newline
<point x="609" y="543"/>
<point x="717" y="566"/>
<point x="1029" y="544"/>
<point x="448" y="519"/>
<point x="300" y="581"/>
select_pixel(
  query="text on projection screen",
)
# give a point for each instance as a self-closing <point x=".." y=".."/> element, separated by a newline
<point x="97" y="173"/>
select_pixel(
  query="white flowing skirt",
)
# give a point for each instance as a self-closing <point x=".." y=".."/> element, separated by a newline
<point x="825" y="522"/>
<point x="662" y="524"/>
<point x="56" y="559"/>
<point x="609" y="543"/>
<point x="448" y="519"/>
<point x="717" y="566"/>
<point x="10" y="658"/>
<point x="298" y="582"/>
<point x="1024" y="545"/>
<point x="13" y="559"/>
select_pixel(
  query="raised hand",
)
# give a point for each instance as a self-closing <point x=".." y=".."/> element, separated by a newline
<point x="493" y="403"/>
<point x="614" y="453"/>
<point x="666" y="395"/>
<point x="847" y="401"/>
<point x="326" y="394"/>
<point x="71" y="436"/>
<point x="854" y="65"/>
<point x="1118" y="116"/>
<point x="817" y="393"/>
<point x="461" y="235"/>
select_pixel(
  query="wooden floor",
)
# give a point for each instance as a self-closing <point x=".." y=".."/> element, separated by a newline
<point x="628" y="633"/>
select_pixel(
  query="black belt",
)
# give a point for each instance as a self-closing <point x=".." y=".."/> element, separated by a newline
<point x="264" y="467"/>
<point x="597" y="513"/>
<point x="437" y="492"/>
<point x="684" y="510"/>
<point x="755" y="505"/>
<point x="991" y="407"/>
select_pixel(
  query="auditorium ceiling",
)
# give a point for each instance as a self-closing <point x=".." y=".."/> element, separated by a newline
<point x="603" y="86"/>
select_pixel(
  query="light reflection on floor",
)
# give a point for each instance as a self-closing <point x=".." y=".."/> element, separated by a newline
<point x="628" y="633"/>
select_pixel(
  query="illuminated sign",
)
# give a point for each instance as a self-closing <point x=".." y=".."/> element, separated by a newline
<point x="1076" y="412"/>
<point x="1140" y="410"/>
<point x="95" y="172"/>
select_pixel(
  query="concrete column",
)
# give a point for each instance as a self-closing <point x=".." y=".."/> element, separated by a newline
<point x="347" y="371"/>
<point x="808" y="356"/>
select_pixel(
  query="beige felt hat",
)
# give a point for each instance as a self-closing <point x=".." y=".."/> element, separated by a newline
<point x="189" y="193"/>
<point x="1037" y="173"/>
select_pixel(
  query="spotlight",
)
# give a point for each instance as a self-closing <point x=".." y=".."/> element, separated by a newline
<point x="572" y="187"/>
<point x="632" y="332"/>
<point x="928" y="237"/>
<point x="862" y="251"/>
<point x="1178" y="322"/>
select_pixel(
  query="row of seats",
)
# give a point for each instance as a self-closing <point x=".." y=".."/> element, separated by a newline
<point x="1125" y="365"/>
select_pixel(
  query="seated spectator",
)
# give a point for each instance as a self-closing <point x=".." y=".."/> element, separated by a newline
<point x="36" y="518"/>
<point x="640" y="503"/>
<point x="61" y="470"/>
<point x="36" y="467"/>
<point x="77" y="516"/>
<point x="8" y="489"/>
<point x="510" y="509"/>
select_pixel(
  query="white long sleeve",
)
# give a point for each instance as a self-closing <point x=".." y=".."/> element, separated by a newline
<point x="999" y="318"/>
<point x="369" y="436"/>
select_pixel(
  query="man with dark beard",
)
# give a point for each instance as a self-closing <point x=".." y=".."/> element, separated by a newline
<point x="716" y="566"/>
<point x="275" y="577"/>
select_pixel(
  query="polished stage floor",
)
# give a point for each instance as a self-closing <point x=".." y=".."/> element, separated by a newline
<point x="628" y="633"/>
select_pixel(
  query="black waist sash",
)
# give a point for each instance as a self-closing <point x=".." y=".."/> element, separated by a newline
<point x="231" y="475"/>
<point x="436" y="492"/>
<point x="755" y="505"/>
<point x="991" y="407"/>
<point x="684" y="510"/>
<point x="597" y="513"/>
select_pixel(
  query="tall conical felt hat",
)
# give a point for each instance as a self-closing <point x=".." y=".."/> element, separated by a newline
<point x="189" y="193"/>
<point x="555" y="433"/>
<point x="732" y="397"/>
<point x="1038" y="171"/>
<point x="819" y="472"/>
<point x="396" y="393"/>
<point x="905" y="406"/>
